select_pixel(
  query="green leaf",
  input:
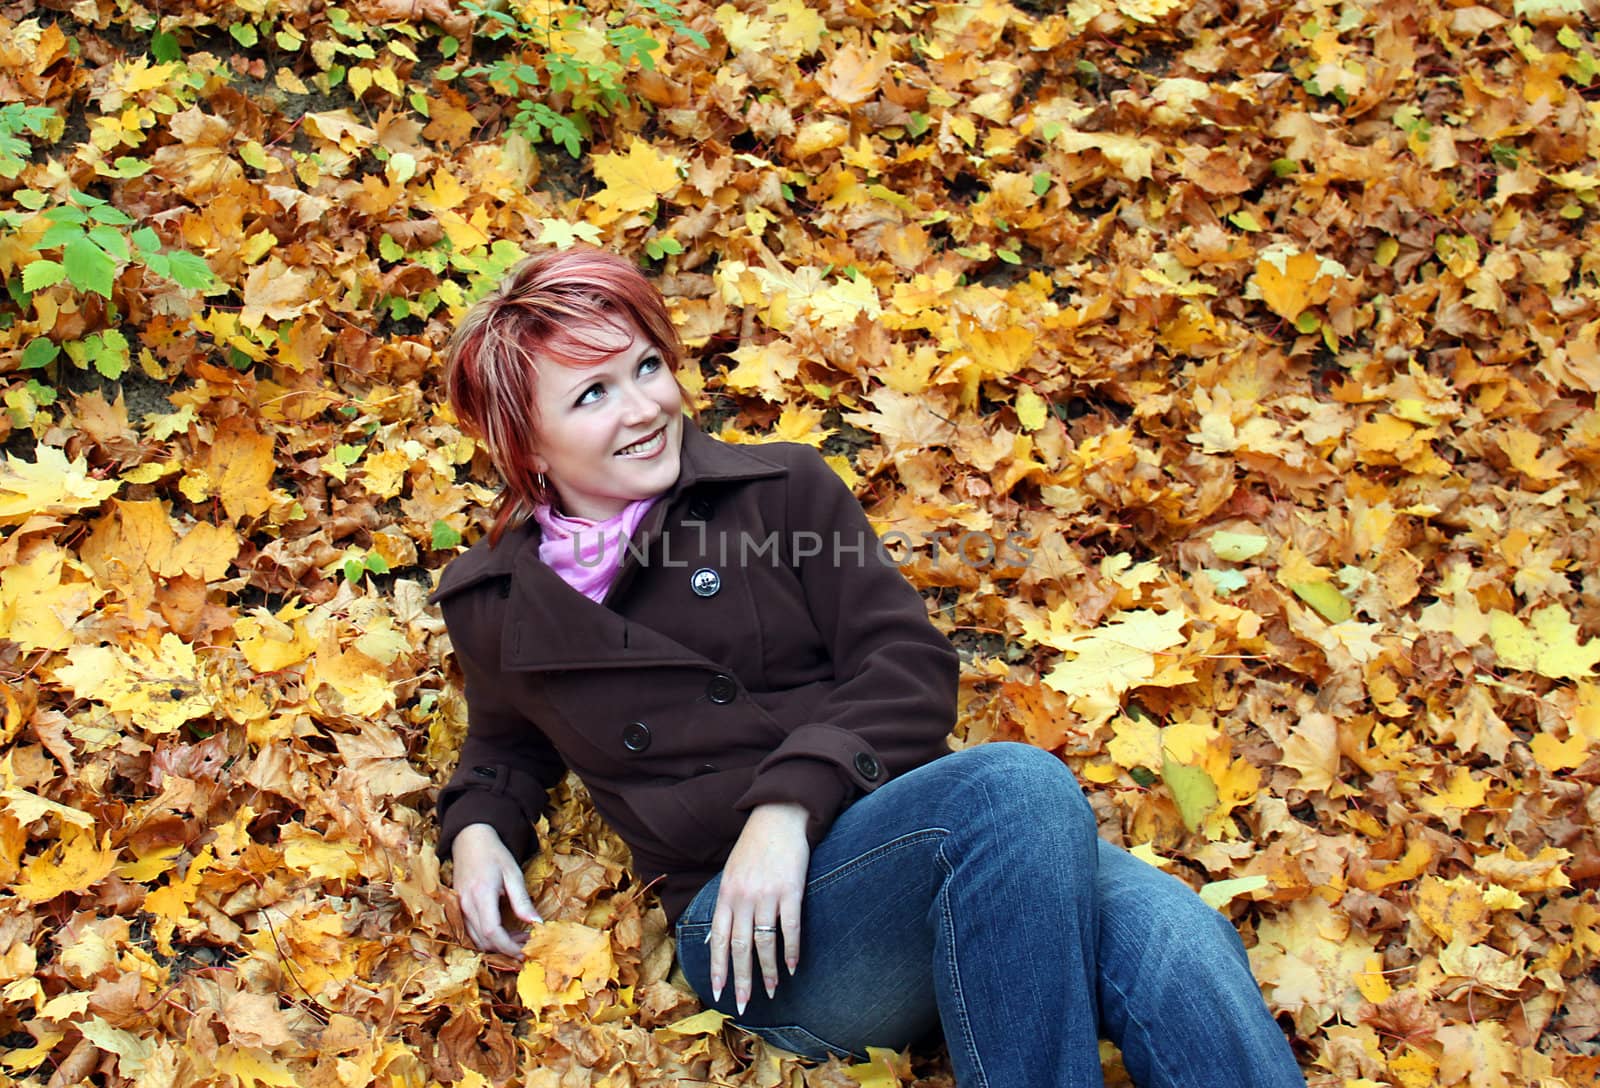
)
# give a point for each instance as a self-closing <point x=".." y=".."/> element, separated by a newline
<point x="89" y="268"/>
<point x="31" y="199"/>
<point x="1191" y="788"/>
<point x="1218" y="892"/>
<point x="67" y="214"/>
<point x="353" y="570"/>
<point x="43" y="273"/>
<point x="109" y="216"/>
<point x="444" y="537"/>
<point x="42" y="394"/>
<point x="448" y="46"/>
<point x="377" y="564"/>
<point x="1227" y="581"/>
<point x="126" y="166"/>
<point x="146" y="240"/>
<point x="111" y="240"/>
<point x="1325" y="598"/>
<point x="919" y="123"/>
<point x="190" y="271"/>
<point x="1307" y="323"/>
<point x="389" y="249"/>
<point x="245" y="34"/>
<point x="40" y="352"/>
<point x="164" y="48"/>
<point x="1237" y="547"/>
<point x="1041" y="183"/>
<point x="347" y="454"/>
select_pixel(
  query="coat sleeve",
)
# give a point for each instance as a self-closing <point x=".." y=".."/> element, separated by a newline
<point x="894" y="702"/>
<point x="506" y="769"/>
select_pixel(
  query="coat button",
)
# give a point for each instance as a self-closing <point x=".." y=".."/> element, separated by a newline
<point x="700" y="510"/>
<point x="868" y="766"/>
<point x="707" y="768"/>
<point x="705" y="582"/>
<point x="483" y="772"/>
<point x="722" y="690"/>
<point x="636" y="736"/>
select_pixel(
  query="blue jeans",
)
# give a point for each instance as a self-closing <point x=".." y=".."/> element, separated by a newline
<point x="974" y="893"/>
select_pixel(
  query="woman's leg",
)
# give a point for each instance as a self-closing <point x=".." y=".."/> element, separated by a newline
<point x="962" y="890"/>
<point x="1176" y="993"/>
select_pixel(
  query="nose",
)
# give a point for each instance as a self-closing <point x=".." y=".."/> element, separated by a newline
<point x="637" y="405"/>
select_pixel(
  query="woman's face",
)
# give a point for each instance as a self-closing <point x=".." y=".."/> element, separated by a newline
<point x="609" y="434"/>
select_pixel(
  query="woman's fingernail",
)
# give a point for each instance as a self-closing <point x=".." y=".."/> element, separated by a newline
<point x="793" y="964"/>
<point x="741" y="1003"/>
<point x="772" y="988"/>
<point x="716" y="990"/>
<point x="708" y="937"/>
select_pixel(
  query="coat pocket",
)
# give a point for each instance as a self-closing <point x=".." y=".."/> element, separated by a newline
<point x="694" y="820"/>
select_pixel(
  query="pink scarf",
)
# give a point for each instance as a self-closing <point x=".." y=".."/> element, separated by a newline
<point x="588" y="554"/>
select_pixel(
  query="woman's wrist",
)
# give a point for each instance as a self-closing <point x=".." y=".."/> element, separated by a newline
<point x="780" y="812"/>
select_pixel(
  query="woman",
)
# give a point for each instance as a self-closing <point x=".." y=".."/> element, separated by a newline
<point x="711" y="638"/>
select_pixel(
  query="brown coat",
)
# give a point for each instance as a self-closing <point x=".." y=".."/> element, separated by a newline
<point x="756" y="647"/>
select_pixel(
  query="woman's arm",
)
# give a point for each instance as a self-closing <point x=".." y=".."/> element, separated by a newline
<point x="894" y="700"/>
<point x="488" y="809"/>
<point x="891" y="709"/>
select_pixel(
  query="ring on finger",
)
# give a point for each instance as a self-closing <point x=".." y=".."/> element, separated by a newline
<point x="765" y="931"/>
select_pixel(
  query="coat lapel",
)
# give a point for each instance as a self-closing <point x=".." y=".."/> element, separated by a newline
<point x="549" y="625"/>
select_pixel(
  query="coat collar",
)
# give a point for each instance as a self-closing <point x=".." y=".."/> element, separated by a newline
<point x="552" y="625"/>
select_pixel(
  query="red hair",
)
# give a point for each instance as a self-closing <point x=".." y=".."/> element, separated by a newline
<point x="566" y="307"/>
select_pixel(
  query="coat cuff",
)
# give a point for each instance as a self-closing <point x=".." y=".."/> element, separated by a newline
<point x="819" y="767"/>
<point x="498" y="810"/>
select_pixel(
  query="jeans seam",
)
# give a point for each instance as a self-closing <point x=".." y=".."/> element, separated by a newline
<point x="952" y="964"/>
<point x="1155" y="1054"/>
<point x="883" y="849"/>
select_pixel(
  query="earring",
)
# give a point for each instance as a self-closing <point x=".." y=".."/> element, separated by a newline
<point x="542" y="485"/>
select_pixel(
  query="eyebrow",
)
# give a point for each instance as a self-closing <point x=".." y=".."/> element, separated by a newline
<point x="588" y="378"/>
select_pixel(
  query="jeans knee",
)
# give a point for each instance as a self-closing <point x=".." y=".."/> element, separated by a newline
<point x="1188" y="931"/>
<point x="1024" y="787"/>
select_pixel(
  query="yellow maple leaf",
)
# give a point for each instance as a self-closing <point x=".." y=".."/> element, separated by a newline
<point x="853" y="74"/>
<point x="764" y="369"/>
<point x="309" y="853"/>
<point x="1117" y="655"/>
<point x="251" y="1069"/>
<point x="1290" y="281"/>
<point x="1308" y="958"/>
<point x="633" y="181"/>
<point x="1511" y="868"/>
<point x="745" y="33"/>
<point x="564" y="962"/>
<point x="50" y="485"/>
<point x="1547" y="644"/>
<point x="274" y="291"/>
<point x="800" y="28"/>
<point x="238" y="466"/>
<point x="74" y="864"/>
<point x="156" y="689"/>
<point x="39" y="605"/>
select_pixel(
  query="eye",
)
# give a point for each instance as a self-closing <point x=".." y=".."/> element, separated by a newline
<point x="590" y="394"/>
<point x="650" y="364"/>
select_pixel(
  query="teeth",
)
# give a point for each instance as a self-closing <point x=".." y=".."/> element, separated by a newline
<point x="641" y="445"/>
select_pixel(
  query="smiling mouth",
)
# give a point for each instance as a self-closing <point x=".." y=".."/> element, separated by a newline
<point x="647" y="445"/>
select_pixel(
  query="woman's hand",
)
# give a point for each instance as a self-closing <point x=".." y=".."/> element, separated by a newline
<point x="485" y="871"/>
<point x="762" y="885"/>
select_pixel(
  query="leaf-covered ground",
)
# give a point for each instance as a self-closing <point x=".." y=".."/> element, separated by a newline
<point x="1228" y="370"/>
